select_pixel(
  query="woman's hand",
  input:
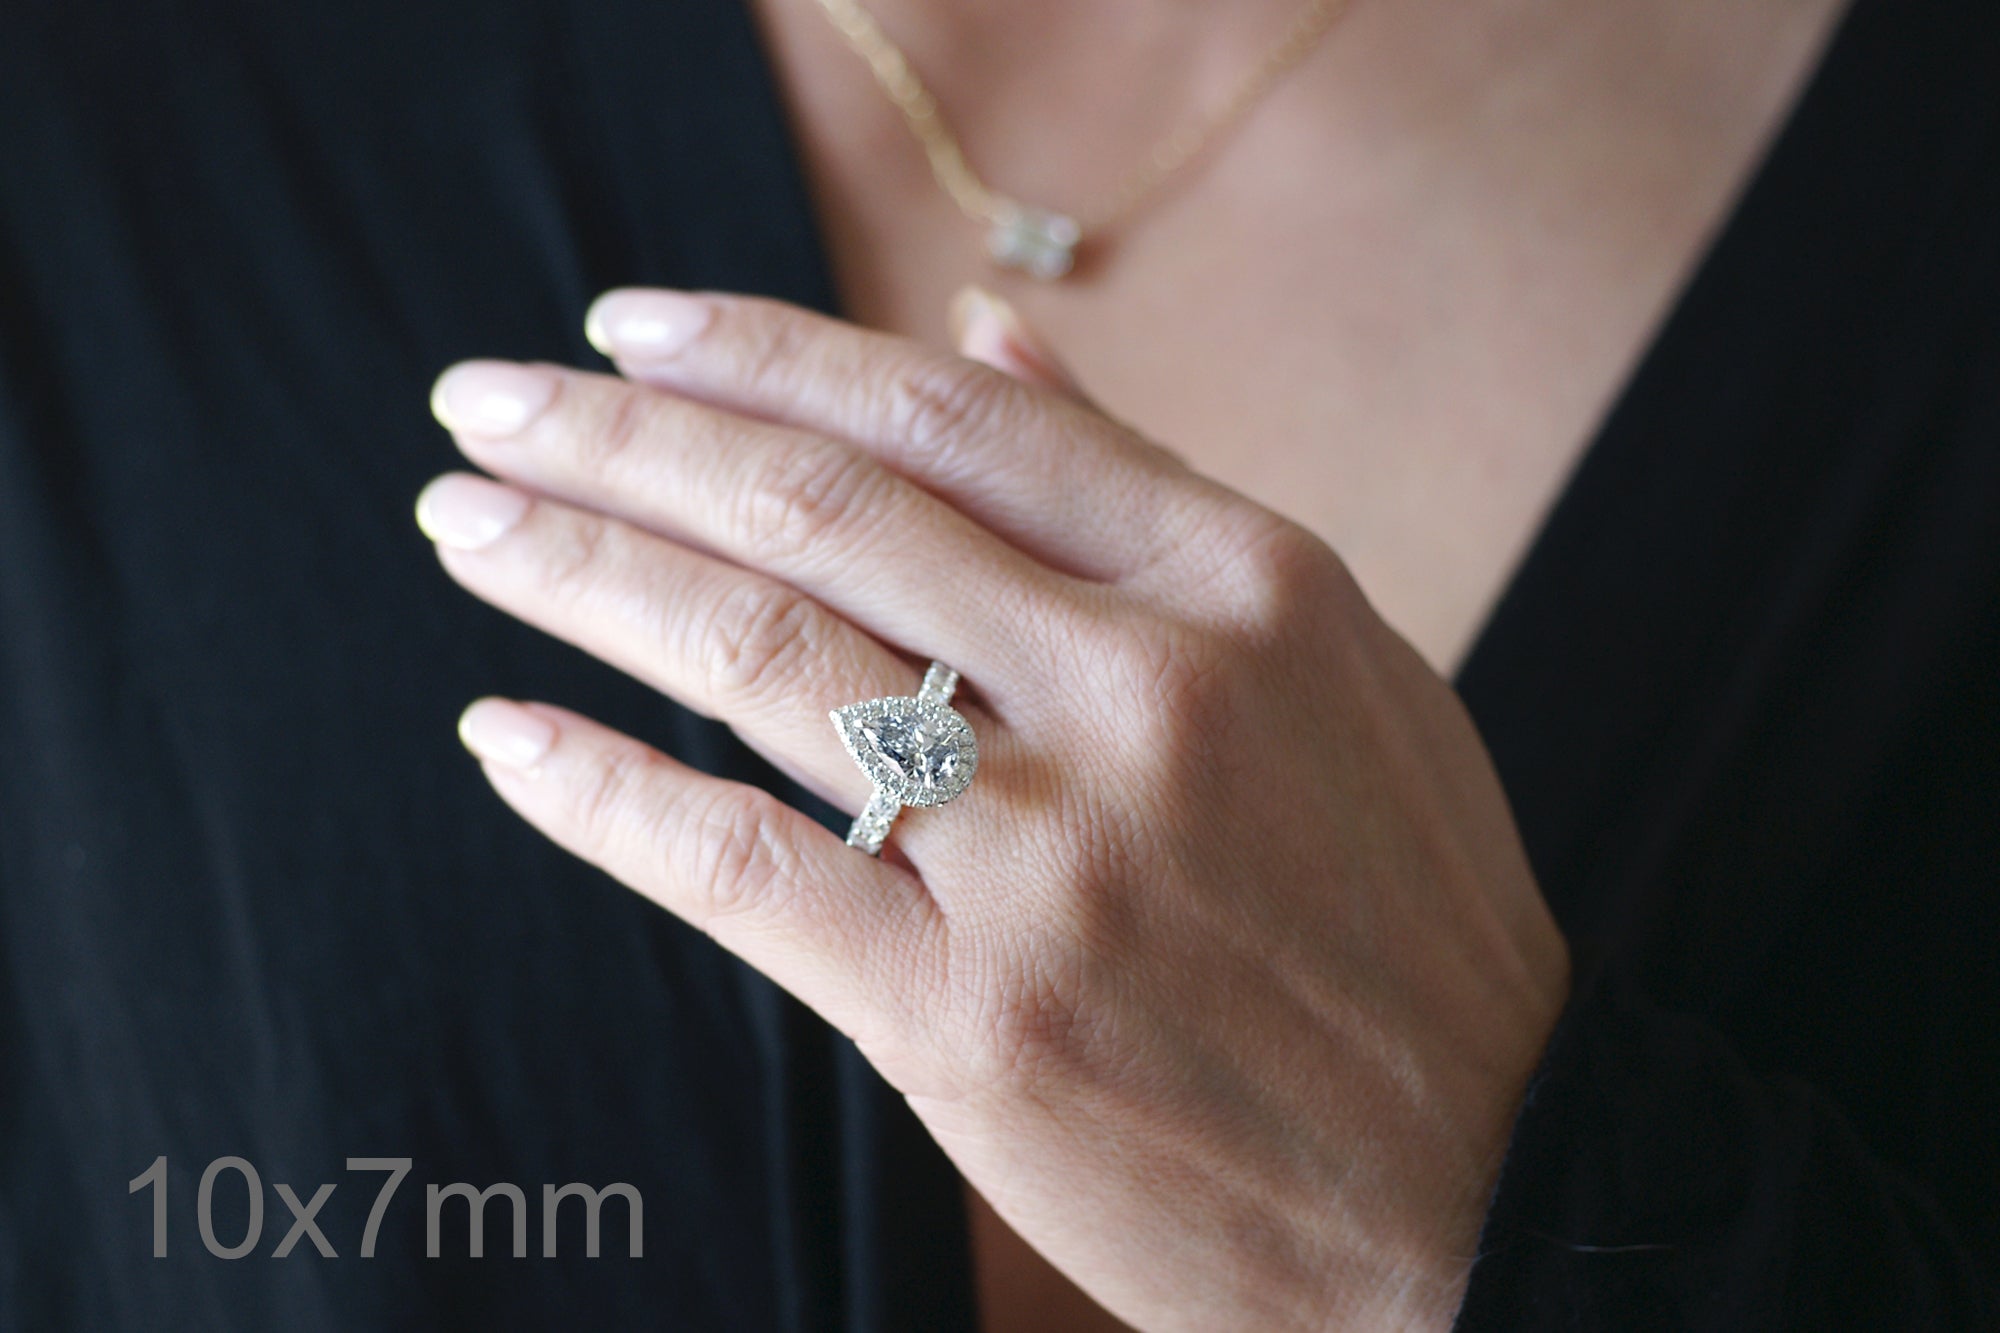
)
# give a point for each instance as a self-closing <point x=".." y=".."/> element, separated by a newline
<point x="1221" y="981"/>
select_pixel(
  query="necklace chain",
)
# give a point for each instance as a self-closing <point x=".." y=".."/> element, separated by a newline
<point x="978" y="201"/>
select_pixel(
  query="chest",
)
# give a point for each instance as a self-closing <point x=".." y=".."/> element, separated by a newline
<point x="1402" y="340"/>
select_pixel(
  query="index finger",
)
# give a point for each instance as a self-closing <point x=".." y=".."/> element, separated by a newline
<point x="1049" y="474"/>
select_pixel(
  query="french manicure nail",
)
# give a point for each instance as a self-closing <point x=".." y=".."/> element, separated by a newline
<point x="986" y="327"/>
<point x="502" y="732"/>
<point x="466" y="512"/>
<point x="970" y="303"/>
<point x="493" y="398"/>
<point x="986" y="316"/>
<point x="645" y="324"/>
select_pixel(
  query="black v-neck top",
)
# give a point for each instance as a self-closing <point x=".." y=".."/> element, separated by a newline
<point x="256" y="903"/>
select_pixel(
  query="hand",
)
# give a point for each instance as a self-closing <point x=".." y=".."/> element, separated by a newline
<point x="1222" y="980"/>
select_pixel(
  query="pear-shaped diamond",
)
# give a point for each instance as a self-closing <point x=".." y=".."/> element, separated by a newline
<point x="919" y="751"/>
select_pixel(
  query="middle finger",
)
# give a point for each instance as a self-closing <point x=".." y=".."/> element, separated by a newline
<point x="729" y="643"/>
<point x="822" y="515"/>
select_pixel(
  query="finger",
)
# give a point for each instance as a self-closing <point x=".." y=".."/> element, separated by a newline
<point x="727" y="642"/>
<point x="991" y="331"/>
<point x="847" y="934"/>
<point x="986" y="328"/>
<point x="819" y="514"/>
<point x="1062" y="481"/>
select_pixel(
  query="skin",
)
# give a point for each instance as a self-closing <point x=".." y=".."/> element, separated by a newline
<point x="1260" y="1080"/>
<point x="1433" y="254"/>
<point x="1254" y="1080"/>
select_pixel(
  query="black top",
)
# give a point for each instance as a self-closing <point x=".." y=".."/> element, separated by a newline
<point x="255" y="902"/>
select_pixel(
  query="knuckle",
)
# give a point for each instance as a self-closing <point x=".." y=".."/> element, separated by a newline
<point x="571" y="558"/>
<point x="1286" y="576"/>
<point x="769" y="340"/>
<point x="935" y="404"/>
<point x="626" y="421"/>
<point x="1181" y="687"/>
<point x="800" y="495"/>
<point x="737" y="867"/>
<point x="612" y="806"/>
<point x="1194" y="685"/>
<point x="757" y="640"/>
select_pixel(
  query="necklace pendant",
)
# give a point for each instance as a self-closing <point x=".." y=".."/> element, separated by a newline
<point x="1035" y="241"/>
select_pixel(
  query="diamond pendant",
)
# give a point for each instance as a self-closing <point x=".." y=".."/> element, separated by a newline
<point x="1035" y="241"/>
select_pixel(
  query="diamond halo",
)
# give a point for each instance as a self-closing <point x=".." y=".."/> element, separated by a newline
<point x="917" y="750"/>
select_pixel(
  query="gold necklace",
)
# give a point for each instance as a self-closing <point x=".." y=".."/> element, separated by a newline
<point x="1041" y="241"/>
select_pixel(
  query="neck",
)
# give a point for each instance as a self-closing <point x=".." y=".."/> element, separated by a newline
<point x="1013" y="78"/>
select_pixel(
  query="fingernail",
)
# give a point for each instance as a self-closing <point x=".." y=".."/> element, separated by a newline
<point x="986" y="327"/>
<point x="988" y="317"/>
<point x="491" y="397"/>
<point x="502" y="732"/>
<point x="968" y="304"/>
<point x="634" y="324"/>
<point x="467" y="512"/>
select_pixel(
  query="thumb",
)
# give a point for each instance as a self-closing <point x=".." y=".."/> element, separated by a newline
<point x="986" y="328"/>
